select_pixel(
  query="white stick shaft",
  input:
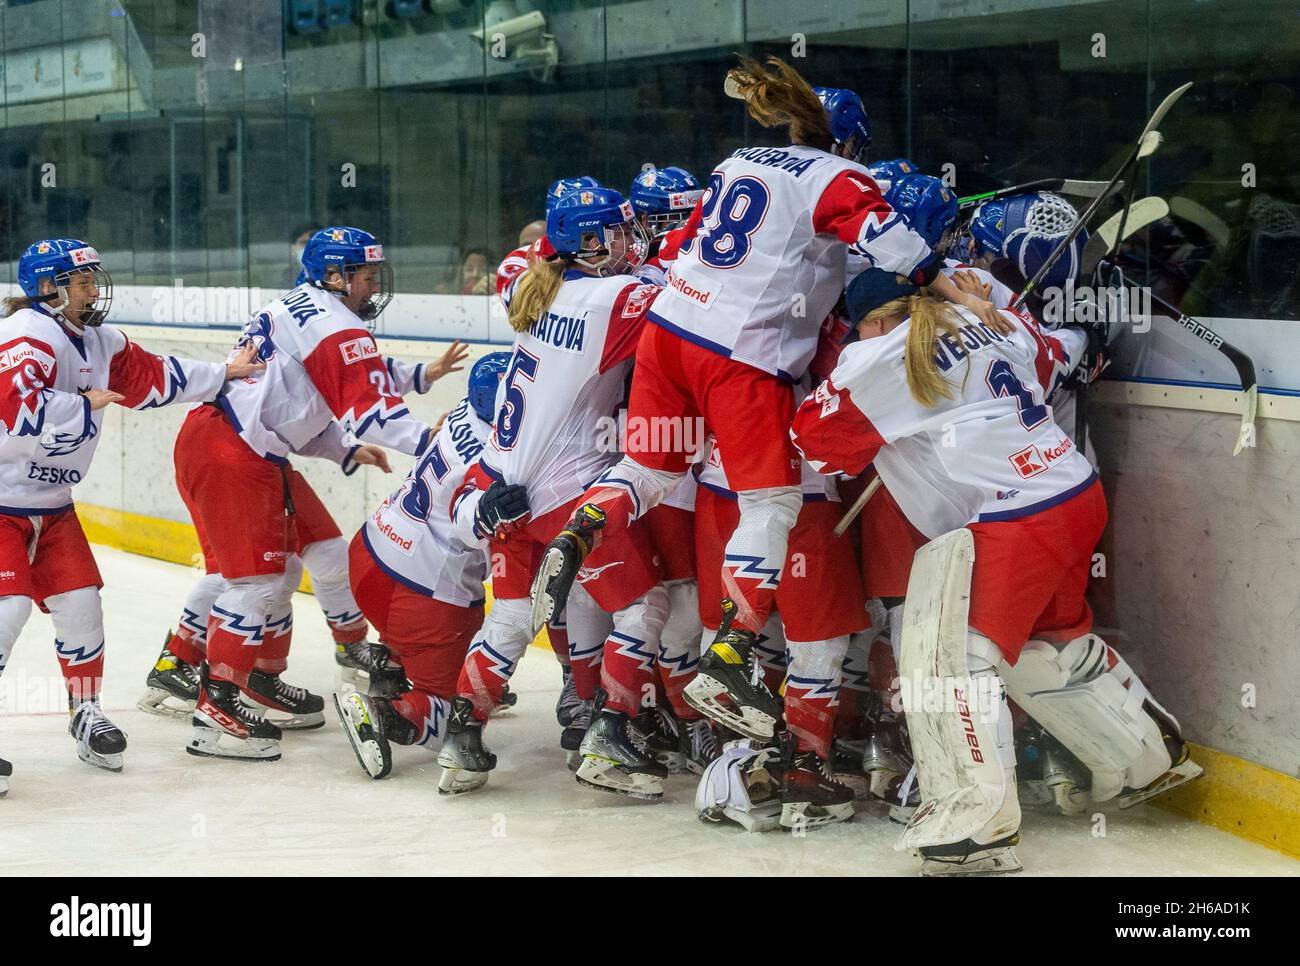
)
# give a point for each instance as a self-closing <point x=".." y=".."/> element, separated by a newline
<point x="858" y="504"/>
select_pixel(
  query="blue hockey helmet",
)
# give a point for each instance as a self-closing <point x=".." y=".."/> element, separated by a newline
<point x="885" y="173"/>
<point x="986" y="230"/>
<point x="664" y="197"/>
<point x="484" y="377"/>
<point x="850" y="126"/>
<point x="1033" y="225"/>
<point x="334" y="255"/>
<point x="928" y="205"/>
<point x="69" y="265"/>
<point x="596" y="228"/>
<point x="563" y="186"/>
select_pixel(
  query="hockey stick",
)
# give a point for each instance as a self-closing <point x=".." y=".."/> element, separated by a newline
<point x="1146" y="145"/>
<point x="1240" y="362"/>
<point x="858" y="504"/>
<point x="1065" y="186"/>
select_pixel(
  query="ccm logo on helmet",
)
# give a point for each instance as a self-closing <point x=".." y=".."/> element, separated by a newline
<point x="357" y="350"/>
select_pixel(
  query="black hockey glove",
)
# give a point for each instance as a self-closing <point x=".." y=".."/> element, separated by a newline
<point x="500" y="509"/>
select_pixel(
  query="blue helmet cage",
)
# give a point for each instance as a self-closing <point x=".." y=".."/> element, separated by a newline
<point x="1033" y="225"/>
<point x="562" y="186"/>
<point x="334" y="255"/>
<point x="663" y="197"/>
<point x="928" y="205"/>
<point x="58" y="260"/>
<point x="588" y="226"/>
<point x="484" y="377"/>
<point x="850" y="126"/>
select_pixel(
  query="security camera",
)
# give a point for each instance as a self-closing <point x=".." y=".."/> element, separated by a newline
<point x="508" y="35"/>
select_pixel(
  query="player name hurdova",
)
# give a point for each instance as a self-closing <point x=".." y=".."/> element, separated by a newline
<point x="565" y="332"/>
<point x="973" y="338"/>
<point x="776" y="158"/>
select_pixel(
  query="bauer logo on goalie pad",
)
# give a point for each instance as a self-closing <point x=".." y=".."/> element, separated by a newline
<point x="358" y="350"/>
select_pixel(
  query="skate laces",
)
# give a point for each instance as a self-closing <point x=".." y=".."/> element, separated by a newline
<point x="290" y="690"/>
<point x="89" y="721"/>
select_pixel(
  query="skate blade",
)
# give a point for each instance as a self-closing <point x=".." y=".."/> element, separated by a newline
<point x="1175" y="777"/>
<point x="572" y="758"/>
<point x="457" y="781"/>
<point x="543" y="604"/>
<point x="804" y="815"/>
<point x="607" y="776"/>
<point x="372" y="754"/>
<point x="354" y="676"/>
<point x="994" y="862"/>
<point x="204" y="744"/>
<point x="677" y="763"/>
<point x="283" y="719"/>
<point x="164" y="704"/>
<point x="1068" y="797"/>
<point x="902" y="814"/>
<point x="890" y="764"/>
<point x="702" y="695"/>
<point x="111" y="763"/>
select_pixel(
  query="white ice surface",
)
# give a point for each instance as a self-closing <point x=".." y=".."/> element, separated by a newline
<point x="315" y="811"/>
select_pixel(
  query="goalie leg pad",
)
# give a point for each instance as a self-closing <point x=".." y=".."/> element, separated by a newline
<point x="1079" y="694"/>
<point x="962" y="782"/>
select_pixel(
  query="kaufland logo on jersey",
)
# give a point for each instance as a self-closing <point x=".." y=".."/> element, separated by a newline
<point x="1031" y="460"/>
<point x="357" y="350"/>
<point x="687" y="290"/>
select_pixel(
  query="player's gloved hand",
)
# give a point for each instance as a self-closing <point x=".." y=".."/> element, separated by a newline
<point x="502" y="509"/>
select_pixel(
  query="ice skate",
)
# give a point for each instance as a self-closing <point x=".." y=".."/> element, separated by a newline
<point x="225" y="727"/>
<point x="810" y="798"/>
<point x="465" y="762"/>
<point x="364" y="723"/>
<point x="370" y="667"/>
<point x="967" y="858"/>
<point x="172" y="687"/>
<point x="658" y="729"/>
<point x="560" y="563"/>
<point x="99" y="741"/>
<point x="616" y="759"/>
<point x="903" y="793"/>
<point x="1063" y="777"/>
<point x="885" y="748"/>
<point x="568" y="701"/>
<point x="698" y="745"/>
<point x="729" y="685"/>
<point x="287" y="707"/>
<point x="1182" y="771"/>
<point x="6" y="772"/>
<point x="571" y="737"/>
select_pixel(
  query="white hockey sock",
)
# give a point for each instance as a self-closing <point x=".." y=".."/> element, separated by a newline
<point x="327" y="563"/>
<point x="14" y="611"/>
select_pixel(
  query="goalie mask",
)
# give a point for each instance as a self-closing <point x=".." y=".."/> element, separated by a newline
<point x="1032" y="226"/>
<point x="595" y="228"/>
<point x="66" y="278"/>
<point x="349" y="263"/>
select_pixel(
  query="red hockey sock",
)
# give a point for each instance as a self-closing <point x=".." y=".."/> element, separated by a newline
<point x="428" y="712"/>
<point x="626" y="672"/>
<point x="83" y="669"/>
<point x="558" y="635"/>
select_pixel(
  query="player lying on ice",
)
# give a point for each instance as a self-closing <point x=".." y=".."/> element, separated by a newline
<point x="59" y="367"/>
<point x="951" y="414"/>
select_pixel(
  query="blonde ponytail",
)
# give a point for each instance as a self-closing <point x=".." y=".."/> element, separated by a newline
<point x="780" y="97"/>
<point x="534" y="292"/>
<point x="16" y="304"/>
<point x="929" y="318"/>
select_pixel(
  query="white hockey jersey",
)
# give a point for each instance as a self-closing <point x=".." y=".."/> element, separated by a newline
<point x="765" y="259"/>
<point x="992" y="452"/>
<point x="412" y="535"/>
<point x="49" y="433"/>
<point x="557" y="429"/>
<point x="322" y="365"/>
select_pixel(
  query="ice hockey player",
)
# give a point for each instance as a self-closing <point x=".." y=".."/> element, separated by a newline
<point x="419" y="579"/>
<point x="324" y="387"/>
<point x="59" y="367"/>
<point x="578" y="318"/>
<point x="1010" y="493"/>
